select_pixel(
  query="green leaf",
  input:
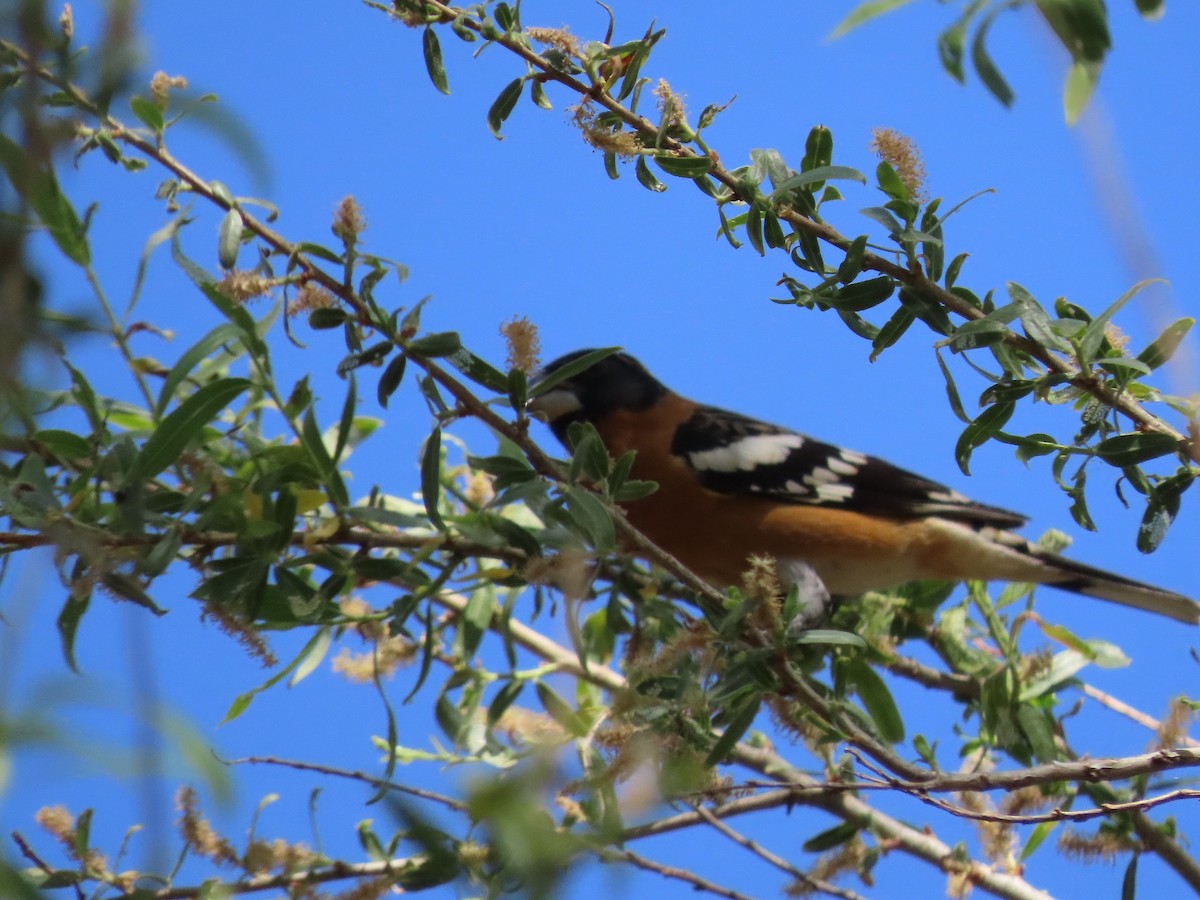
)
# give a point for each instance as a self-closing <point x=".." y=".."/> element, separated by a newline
<point x="1150" y="9"/>
<point x="433" y="61"/>
<point x="1093" y="337"/>
<point x="63" y="444"/>
<point x="1081" y="83"/>
<point x="645" y="177"/>
<point x="148" y="113"/>
<point x="1129" y="879"/>
<point x="860" y="295"/>
<point x="754" y="229"/>
<point x="1139" y="447"/>
<point x="68" y="626"/>
<point x="889" y="182"/>
<point x="327" y="317"/>
<point x="891" y="331"/>
<point x="831" y="837"/>
<point x="560" y="711"/>
<point x="1036" y="837"/>
<point x="877" y="699"/>
<point x="984" y="66"/>
<point x="390" y="380"/>
<point x="40" y="189"/>
<point x="1038" y="731"/>
<point x="431" y="478"/>
<point x="950" y="43"/>
<point x="589" y="514"/>
<point x="852" y="264"/>
<point x="478" y="370"/>
<point x="225" y="333"/>
<point x="815" y="175"/>
<point x="477" y="618"/>
<point x="503" y="106"/>
<point x="1165" y="345"/>
<point x="185" y="424"/>
<point x="864" y="12"/>
<point x="570" y="370"/>
<point x="443" y="343"/>
<point x="740" y="721"/>
<point x="683" y="166"/>
<point x="829" y="637"/>
<point x="981" y="430"/>
<point x="1035" y="319"/>
<point x="229" y="238"/>
<point x="242" y="702"/>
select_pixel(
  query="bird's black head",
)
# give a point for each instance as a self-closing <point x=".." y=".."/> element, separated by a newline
<point x="617" y="382"/>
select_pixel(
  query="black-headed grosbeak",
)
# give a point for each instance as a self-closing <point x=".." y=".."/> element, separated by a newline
<point x="731" y="487"/>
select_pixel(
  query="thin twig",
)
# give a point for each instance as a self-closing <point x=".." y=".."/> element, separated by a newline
<point x="815" y="884"/>
<point x="697" y="883"/>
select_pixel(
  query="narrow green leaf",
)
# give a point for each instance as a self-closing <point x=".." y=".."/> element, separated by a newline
<point x="984" y="65"/>
<point x="1139" y="447"/>
<point x="815" y="175"/>
<point x="570" y="370"/>
<point x="877" y="699"/>
<point x="950" y="43"/>
<point x="537" y="94"/>
<point x="327" y="317"/>
<point x="390" y="380"/>
<point x="184" y="424"/>
<point x="953" y="270"/>
<point x="478" y="370"/>
<point x="952" y="390"/>
<point x="1165" y="345"/>
<point x="68" y="627"/>
<point x="477" y="618"/>
<point x="852" y="264"/>
<point x="683" y="166"/>
<point x="40" y="189"/>
<point x="1039" y="732"/>
<point x="831" y="837"/>
<point x="891" y="331"/>
<point x="829" y="637"/>
<point x="225" y="333"/>
<point x="431" y="478"/>
<point x="864" y="12"/>
<point x="503" y="106"/>
<point x="754" y="230"/>
<point x="1093" y="337"/>
<point x="1036" y="838"/>
<point x="229" y="238"/>
<point x="645" y="177"/>
<point x="1129" y="879"/>
<point x="1081" y="84"/>
<point x="63" y="444"/>
<point x="981" y="430"/>
<point x="559" y="710"/>
<point x="739" y="723"/>
<point x="443" y="343"/>
<point x="433" y="60"/>
<point x="860" y="295"/>
<point x="1150" y="9"/>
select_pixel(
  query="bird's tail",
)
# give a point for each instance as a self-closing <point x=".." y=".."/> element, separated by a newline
<point x="1069" y="575"/>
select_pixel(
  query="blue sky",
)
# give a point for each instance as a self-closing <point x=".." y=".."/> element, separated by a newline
<point x="340" y="103"/>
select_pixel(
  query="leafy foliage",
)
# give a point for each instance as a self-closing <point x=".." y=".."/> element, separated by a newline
<point x="225" y="472"/>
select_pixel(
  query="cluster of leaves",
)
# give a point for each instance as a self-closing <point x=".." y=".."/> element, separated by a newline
<point x="1081" y="26"/>
<point x="1067" y="356"/>
<point x="220" y="469"/>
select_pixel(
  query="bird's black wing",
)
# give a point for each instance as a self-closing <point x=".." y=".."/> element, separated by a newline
<point x="735" y="454"/>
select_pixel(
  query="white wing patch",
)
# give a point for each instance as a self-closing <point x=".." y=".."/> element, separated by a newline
<point x="747" y="454"/>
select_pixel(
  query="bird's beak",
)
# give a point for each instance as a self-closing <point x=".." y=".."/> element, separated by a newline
<point x="553" y="404"/>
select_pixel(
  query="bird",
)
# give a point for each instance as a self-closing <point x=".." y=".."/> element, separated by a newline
<point x="838" y="522"/>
